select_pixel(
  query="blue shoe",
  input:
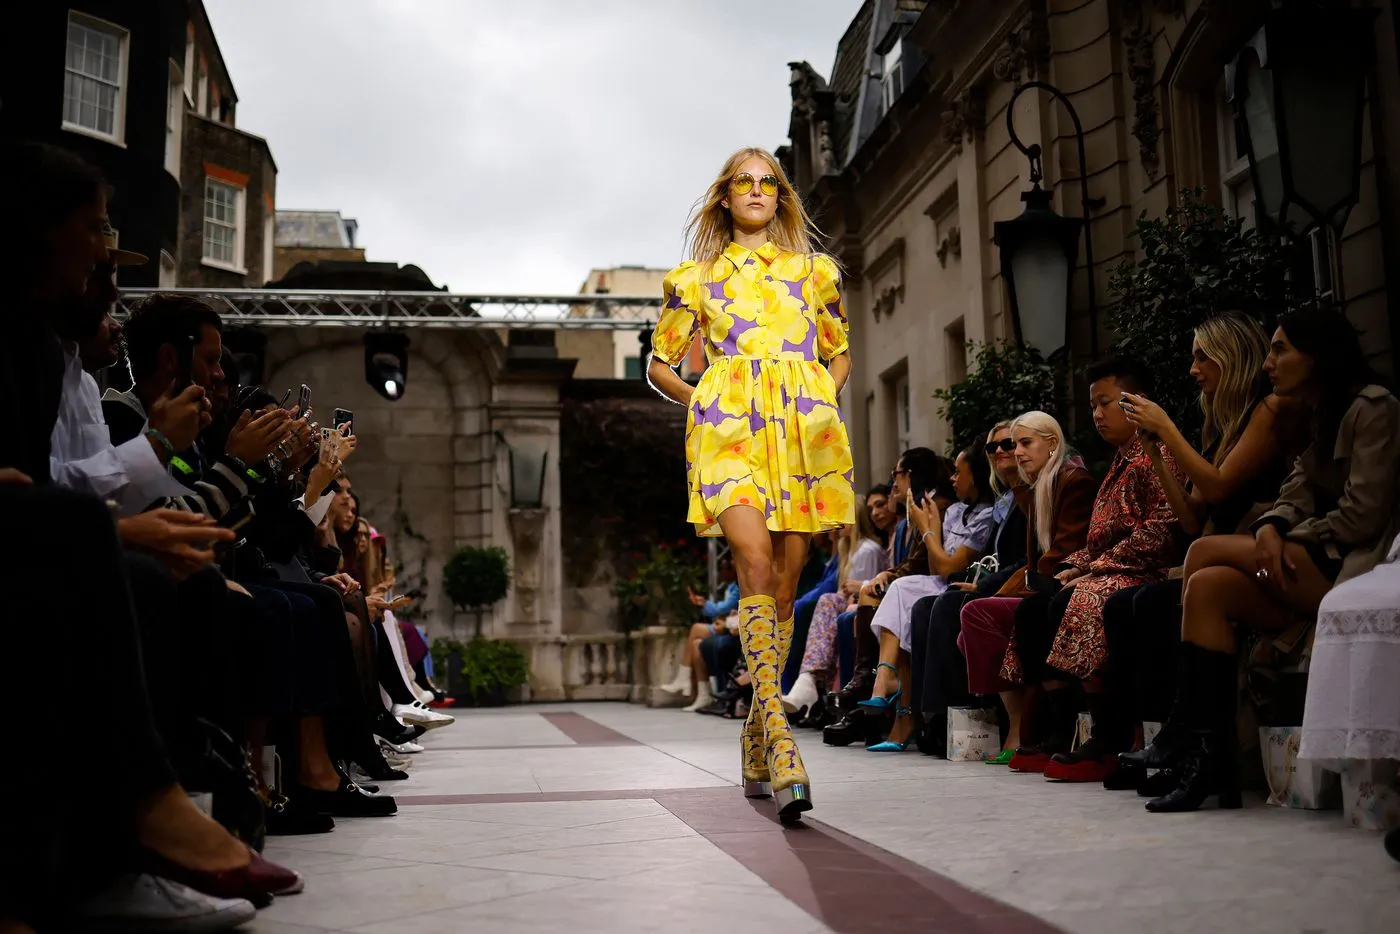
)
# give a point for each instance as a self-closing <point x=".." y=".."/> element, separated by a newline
<point x="887" y="745"/>
<point x="884" y="703"/>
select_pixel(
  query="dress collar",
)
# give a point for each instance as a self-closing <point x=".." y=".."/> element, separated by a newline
<point x="738" y="255"/>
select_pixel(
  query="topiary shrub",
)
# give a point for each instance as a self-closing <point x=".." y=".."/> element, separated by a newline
<point x="475" y="578"/>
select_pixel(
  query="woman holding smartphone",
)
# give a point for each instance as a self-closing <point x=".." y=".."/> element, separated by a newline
<point x="768" y="458"/>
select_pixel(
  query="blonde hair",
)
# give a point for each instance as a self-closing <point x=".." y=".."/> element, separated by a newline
<point x="1238" y="345"/>
<point x="995" y="481"/>
<point x="1044" y="483"/>
<point x="711" y="227"/>
<point x="864" y="529"/>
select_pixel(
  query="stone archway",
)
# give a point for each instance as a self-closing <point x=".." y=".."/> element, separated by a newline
<point x="424" y="468"/>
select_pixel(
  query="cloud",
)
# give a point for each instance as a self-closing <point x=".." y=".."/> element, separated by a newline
<point x="507" y="146"/>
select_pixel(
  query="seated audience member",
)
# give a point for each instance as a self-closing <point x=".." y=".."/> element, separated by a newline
<point x="861" y="556"/>
<point x="820" y="576"/>
<point x="1242" y="466"/>
<point x="936" y="664"/>
<point x="691" y="674"/>
<point x="1131" y="541"/>
<point x="1056" y="495"/>
<point x="94" y="861"/>
<point x="1333" y="520"/>
<point x="954" y="535"/>
<point x="919" y="469"/>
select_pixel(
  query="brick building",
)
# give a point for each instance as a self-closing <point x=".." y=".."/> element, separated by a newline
<point x="312" y="236"/>
<point x="139" y="89"/>
<point x="905" y="158"/>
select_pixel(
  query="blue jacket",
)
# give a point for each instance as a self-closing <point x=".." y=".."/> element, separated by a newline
<point x="730" y="603"/>
<point x="807" y="602"/>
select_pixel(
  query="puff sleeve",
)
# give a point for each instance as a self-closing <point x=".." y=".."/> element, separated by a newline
<point x="831" y="317"/>
<point x="671" y="339"/>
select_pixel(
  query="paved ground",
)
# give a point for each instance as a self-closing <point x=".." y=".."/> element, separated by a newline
<point x="618" y="818"/>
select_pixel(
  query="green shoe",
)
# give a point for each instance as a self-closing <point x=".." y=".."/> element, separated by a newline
<point x="1002" y="758"/>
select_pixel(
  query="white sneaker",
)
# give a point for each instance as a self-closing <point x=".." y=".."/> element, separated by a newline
<point x="680" y="684"/>
<point x="804" y="694"/>
<point x="408" y="748"/>
<point x="426" y="696"/>
<point x="423" y="715"/>
<point x="150" y="903"/>
<point x="703" y="697"/>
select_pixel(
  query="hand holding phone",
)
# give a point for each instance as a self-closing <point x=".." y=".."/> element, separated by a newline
<point x="304" y="401"/>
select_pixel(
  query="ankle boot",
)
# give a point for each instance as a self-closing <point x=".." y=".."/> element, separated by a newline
<point x="1210" y="763"/>
<point x="1096" y="760"/>
<point x="680" y="684"/>
<point x="1171" y="740"/>
<point x="862" y="683"/>
<point x="1062" y="710"/>
<point x="759" y="638"/>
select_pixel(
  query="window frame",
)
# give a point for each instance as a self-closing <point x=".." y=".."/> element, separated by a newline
<point x="175" y="120"/>
<point x="892" y="74"/>
<point x="123" y="36"/>
<point x="167" y="272"/>
<point x="240" y="205"/>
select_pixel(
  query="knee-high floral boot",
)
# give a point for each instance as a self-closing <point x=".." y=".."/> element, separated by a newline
<point x="757" y="782"/>
<point x="758" y="634"/>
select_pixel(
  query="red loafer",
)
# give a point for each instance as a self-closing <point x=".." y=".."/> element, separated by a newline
<point x="258" y="881"/>
<point x="1075" y="769"/>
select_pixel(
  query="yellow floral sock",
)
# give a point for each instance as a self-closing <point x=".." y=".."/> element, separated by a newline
<point x="758" y="633"/>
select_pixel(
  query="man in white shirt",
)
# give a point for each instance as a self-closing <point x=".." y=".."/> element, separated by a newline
<point x="81" y="456"/>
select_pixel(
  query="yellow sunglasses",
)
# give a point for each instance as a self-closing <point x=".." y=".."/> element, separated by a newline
<point x="743" y="184"/>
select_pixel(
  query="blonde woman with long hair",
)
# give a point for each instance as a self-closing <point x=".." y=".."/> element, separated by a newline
<point x="1057" y="496"/>
<point x="1243" y="460"/>
<point x="767" y="454"/>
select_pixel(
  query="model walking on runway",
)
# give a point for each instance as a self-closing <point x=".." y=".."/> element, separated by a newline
<point x="768" y="459"/>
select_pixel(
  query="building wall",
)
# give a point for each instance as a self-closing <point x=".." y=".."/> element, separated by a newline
<point x="1146" y="78"/>
<point x="145" y="204"/>
<point x="213" y="149"/>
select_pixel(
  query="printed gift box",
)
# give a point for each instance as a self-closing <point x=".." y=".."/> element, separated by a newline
<point x="973" y="734"/>
<point x="1305" y="785"/>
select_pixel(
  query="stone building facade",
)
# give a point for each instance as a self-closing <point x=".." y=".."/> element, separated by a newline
<point x="906" y="161"/>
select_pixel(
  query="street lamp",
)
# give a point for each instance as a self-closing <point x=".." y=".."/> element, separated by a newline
<point x="527" y="470"/>
<point x="1039" y="248"/>
<point x="1298" y="89"/>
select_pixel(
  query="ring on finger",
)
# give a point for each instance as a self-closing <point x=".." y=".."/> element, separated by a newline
<point x="1262" y="575"/>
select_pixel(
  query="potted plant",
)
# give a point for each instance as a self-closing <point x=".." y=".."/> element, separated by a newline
<point x="659" y="589"/>
<point x="475" y="578"/>
<point x="482" y="670"/>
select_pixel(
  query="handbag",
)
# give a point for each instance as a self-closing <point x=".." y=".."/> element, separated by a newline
<point x="206" y="759"/>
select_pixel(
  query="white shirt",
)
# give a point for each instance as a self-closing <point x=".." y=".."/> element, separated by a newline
<point x="869" y="559"/>
<point x="83" y="458"/>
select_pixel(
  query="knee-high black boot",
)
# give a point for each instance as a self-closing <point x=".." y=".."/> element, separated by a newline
<point x="1209" y="763"/>
<point x="1171" y="741"/>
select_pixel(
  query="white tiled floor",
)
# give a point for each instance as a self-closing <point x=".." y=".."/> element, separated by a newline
<point x="1077" y="856"/>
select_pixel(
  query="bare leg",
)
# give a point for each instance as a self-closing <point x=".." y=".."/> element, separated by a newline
<point x="903" y="723"/>
<point x="169" y="825"/>
<point x="1223" y="591"/>
<point x="1015" y="704"/>
<point x="315" y="769"/>
<point x="887" y="681"/>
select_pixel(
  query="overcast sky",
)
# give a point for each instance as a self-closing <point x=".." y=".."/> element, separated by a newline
<point x="511" y="146"/>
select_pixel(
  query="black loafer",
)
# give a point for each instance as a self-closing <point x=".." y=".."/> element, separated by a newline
<point x="349" y="800"/>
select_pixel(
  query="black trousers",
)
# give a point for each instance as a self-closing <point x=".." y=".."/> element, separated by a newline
<point x="1143" y="628"/>
<point x="69" y="817"/>
<point x="296" y="640"/>
<point x="721" y="653"/>
<point x="938" y="667"/>
<point x="1037" y="621"/>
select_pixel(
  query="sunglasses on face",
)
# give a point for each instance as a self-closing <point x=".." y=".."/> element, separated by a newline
<point x="1006" y="446"/>
<point x="743" y="184"/>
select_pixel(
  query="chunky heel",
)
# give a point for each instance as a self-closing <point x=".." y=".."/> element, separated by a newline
<point x="792" y="802"/>
<point x="757" y="789"/>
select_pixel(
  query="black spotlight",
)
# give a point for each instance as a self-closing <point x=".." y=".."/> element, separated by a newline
<point x="249" y="350"/>
<point x="386" y="363"/>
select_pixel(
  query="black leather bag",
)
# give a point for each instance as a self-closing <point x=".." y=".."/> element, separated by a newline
<point x="209" y="760"/>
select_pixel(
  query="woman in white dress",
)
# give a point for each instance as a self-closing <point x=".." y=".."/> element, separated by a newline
<point x="1352" y="718"/>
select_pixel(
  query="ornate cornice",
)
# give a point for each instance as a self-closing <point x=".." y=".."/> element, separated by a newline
<point x="888" y="297"/>
<point x="952" y="243"/>
<point x="1025" y="52"/>
<point x="1140" y="38"/>
<point x="965" y="120"/>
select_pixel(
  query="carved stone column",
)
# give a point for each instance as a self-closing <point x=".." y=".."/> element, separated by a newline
<point x="524" y="416"/>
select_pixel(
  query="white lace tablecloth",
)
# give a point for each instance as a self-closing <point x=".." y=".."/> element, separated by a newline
<point x="1353" y="703"/>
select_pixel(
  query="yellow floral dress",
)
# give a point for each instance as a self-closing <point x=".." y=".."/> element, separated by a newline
<point x="764" y="428"/>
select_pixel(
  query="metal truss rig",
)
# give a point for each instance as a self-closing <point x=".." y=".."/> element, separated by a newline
<point x="270" y="308"/>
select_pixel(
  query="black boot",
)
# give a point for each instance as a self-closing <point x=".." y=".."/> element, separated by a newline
<point x="1210" y="763"/>
<point x="1171" y="740"/>
<point x="862" y="683"/>
<point x="854" y="726"/>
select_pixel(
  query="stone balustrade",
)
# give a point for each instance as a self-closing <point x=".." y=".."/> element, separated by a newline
<point x="604" y="666"/>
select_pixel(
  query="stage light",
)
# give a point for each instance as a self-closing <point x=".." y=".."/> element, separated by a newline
<point x="386" y="363"/>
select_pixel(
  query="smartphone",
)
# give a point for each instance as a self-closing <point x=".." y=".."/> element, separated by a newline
<point x="303" y="400"/>
<point x="343" y="417"/>
<point x="285" y="396"/>
<point x="184" y="363"/>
